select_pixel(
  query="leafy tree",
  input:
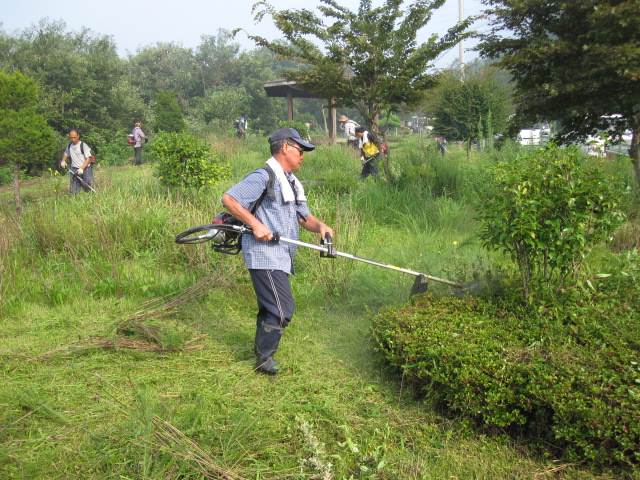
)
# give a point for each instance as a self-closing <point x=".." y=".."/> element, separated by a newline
<point x="82" y="81"/>
<point x="25" y="137"/>
<point x="186" y="161"/>
<point x="168" y="114"/>
<point x="388" y="120"/>
<point x="223" y="105"/>
<point x="547" y="211"/>
<point x="574" y="61"/>
<point x="165" y="66"/>
<point x="470" y="109"/>
<point x="216" y="57"/>
<point x="251" y="70"/>
<point x="369" y="59"/>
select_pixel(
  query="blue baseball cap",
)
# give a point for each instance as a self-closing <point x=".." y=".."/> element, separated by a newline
<point x="290" y="133"/>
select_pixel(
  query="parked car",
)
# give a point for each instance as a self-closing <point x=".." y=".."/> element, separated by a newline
<point x="529" y="136"/>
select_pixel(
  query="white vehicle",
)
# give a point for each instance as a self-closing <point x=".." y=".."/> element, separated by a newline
<point x="544" y="127"/>
<point x="529" y="136"/>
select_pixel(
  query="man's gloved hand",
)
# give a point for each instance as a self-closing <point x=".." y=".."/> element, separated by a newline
<point x="362" y="159"/>
<point x="80" y="171"/>
<point x="63" y="164"/>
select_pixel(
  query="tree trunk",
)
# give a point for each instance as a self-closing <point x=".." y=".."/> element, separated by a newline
<point x="386" y="158"/>
<point x="16" y="190"/>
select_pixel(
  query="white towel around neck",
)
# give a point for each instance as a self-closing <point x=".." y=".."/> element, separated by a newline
<point x="285" y="186"/>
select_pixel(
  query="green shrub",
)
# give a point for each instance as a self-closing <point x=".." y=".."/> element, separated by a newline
<point x="547" y="211"/>
<point x="6" y="175"/>
<point x="570" y="386"/>
<point x="113" y="149"/>
<point x="301" y="127"/>
<point x="186" y="161"/>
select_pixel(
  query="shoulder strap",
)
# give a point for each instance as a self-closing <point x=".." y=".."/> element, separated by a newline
<point x="268" y="191"/>
<point x="81" y="147"/>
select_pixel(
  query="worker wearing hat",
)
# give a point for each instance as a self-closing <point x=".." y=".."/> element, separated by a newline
<point x="270" y="263"/>
<point x="349" y="128"/>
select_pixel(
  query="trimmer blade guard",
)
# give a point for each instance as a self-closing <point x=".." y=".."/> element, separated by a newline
<point x="419" y="285"/>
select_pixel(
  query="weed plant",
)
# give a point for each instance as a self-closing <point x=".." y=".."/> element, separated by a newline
<point x="125" y="355"/>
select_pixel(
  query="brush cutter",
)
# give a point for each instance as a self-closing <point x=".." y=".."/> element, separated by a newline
<point x="363" y="163"/>
<point x="84" y="184"/>
<point x="225" y="236"/>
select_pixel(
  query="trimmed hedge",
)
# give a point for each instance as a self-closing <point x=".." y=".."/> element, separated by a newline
<point x="571" y="385"/>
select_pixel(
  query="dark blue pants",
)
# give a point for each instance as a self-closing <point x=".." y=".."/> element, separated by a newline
<point x="370" y="167"/>
<point x="275" y="310"/>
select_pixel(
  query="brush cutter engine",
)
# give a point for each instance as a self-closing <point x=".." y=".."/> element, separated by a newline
<point x="224" y="240"/>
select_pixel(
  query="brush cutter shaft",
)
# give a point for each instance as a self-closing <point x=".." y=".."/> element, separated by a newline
<point x="84" y="184"/>
<point x="366" y="260"/>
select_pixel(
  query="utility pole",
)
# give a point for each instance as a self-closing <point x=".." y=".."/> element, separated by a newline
<point x="461" y="15"/>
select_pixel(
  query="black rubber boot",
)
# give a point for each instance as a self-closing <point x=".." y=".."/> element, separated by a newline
<point x="265" y="347"/>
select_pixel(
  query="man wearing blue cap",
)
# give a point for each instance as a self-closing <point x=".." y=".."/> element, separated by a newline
<point x="282" y="209"/>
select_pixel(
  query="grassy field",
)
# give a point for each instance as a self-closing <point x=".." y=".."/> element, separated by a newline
<point x="127" y="356"/>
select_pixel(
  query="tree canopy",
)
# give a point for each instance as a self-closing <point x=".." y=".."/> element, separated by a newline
<point x="470" y="109"/>
<point x="369" y="59"/>
<point x="575" y="61"/>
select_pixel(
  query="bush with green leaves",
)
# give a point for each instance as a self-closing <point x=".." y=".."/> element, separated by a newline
<point x="547" y="210"/>
<point x="570" y="387"/>
<point x="301" y="127"/>
<point x="186" y="161"/>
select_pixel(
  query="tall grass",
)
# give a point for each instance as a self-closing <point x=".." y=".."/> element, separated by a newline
<point x="126" y="355"/>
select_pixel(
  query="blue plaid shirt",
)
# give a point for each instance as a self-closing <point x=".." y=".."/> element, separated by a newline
<point x="279" y="217"/>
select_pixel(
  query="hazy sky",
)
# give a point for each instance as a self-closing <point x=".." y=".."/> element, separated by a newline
<point x="139" y="23"/>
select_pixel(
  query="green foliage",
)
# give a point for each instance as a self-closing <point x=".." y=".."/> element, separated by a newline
<point x="569" y="387"/>
<point x="17" y="91"/>
<point x="468" y="110"/>
<point x="112" y="149"/>
<point x="5" y="175"/>
<point x="223" y="105"/>
<point x="186" y="161"/>
<point x="369" y="59"/>
<point x="389" y="120"/>
<point x="83" y="83"/>
<point x="165" y="66"/>
<point x="301" y="127"/>
<point x="572" y="61"/>
<point x="168" y="114"/>
<point x="547" y="211"/>
<point x="25" y="138"/>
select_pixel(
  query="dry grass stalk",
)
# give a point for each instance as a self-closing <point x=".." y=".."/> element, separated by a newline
<point x="168" y="304"/>
<point x="551" y="472"/>
<point x="186" y="450"/>
<point x="117" y="343"/>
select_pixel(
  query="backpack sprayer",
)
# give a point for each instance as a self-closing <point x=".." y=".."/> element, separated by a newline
<point x="226" y="230"/>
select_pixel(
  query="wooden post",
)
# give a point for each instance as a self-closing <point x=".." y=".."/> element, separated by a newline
<point x="333" y="124"/>
<point x="289" y="104"/>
